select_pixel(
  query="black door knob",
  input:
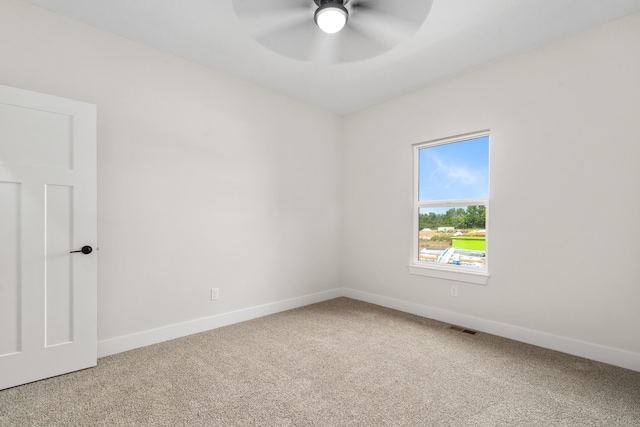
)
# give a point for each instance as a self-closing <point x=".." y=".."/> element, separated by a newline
<point x="85" y="250"/>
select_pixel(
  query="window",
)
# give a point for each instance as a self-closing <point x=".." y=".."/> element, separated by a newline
<point x="451" y="201"/>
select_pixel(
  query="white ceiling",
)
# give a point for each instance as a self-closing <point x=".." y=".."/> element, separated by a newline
<point x="457" y="35"/>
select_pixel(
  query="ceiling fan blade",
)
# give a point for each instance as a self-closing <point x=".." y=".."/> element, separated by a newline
<point x="415" y="11"/>
<point x="245" y="8"/>
<point x="388" y="30"/>
<point x="357" y="45"/>
<point x="293" y="41"/>
<point x="324" y="48"/>
<point x="262" y="24"/>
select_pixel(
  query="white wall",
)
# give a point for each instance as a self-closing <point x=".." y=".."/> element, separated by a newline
<point x="564" y="174"/>
<point x="203" y="180"/>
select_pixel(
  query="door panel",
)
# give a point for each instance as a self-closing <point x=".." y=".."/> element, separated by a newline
<point x="9" y="268"/>
<point x="47" y="144"/>
<point x="48" y="195"/>
<point x="58" y="274"/>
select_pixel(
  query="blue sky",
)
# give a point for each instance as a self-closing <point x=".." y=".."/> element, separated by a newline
<point x="458" y="170"/>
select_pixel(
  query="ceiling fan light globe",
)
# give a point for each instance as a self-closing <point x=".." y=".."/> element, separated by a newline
<point x="331" y="18"/>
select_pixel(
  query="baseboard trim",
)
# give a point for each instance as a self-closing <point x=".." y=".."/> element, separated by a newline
<point x="166" y="333"/>
<point x="611" y="356"/>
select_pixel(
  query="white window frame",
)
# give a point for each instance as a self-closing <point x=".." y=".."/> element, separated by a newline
<point x="443" y="271"/>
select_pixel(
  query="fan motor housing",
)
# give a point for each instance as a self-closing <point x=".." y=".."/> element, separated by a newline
<point x="339" y="2"/>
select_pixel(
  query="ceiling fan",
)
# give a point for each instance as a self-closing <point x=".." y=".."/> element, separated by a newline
<point x="331" y="31"/>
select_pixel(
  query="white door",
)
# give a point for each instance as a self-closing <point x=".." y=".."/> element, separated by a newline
<point x="48" y="321"/>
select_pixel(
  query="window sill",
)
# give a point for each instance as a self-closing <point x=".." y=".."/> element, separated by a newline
<point x="469" y="276"/>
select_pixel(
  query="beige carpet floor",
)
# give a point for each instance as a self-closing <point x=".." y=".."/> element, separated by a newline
<point x="337" y="363"/>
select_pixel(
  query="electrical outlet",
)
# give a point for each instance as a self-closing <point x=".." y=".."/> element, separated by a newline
<point x="454" y="291"/>
<point x="215" y="294"/>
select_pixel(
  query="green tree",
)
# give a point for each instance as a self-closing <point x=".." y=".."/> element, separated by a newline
<point x="472" y="217"/>
<point x="482" y="217"/>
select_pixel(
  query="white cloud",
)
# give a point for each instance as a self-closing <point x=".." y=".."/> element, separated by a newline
<point x="452" y="175"/>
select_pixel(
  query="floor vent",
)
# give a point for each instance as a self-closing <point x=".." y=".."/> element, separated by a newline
<point x="461" y="329"/>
